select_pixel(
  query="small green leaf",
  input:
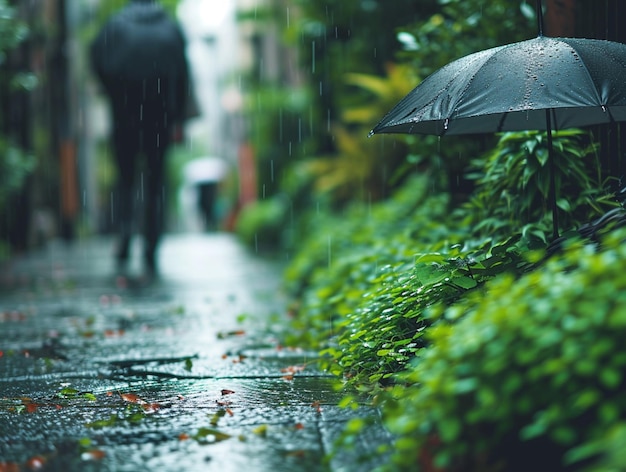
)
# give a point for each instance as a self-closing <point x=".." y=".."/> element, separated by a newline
<point x="210" y="436"/>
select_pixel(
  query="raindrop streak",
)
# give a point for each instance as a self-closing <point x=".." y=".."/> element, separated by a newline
<point x="272" y="170"/>
<point x="313" y="57"/>
<point x="330" y="240"/>
<point x="142" y="186"/>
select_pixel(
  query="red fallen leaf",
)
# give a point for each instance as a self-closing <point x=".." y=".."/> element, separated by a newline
<point x="224" y="356"/>
<point x="299" y="454"/>
<point x="9" y="467"/>
<point x="317" y="405"/>
<point x="36" y="462"/>
<point x="225" y="391"/>
<point x="287" y="377"/>
<point x="151" y="408"/>
<point x="12" y="316"/>
<point x="31" y="407"/>
<point x="93" y="455"/>
<point x="299" y="426"/>
<point x="109" y="394"/>
<point x="230" y="412"/>
<point x="226" y="334"/>
<point x="180" y="397"/>
<point x="1" y="354"/>
<point x="183" y="437"/>
<point x="58" y="407"/>
<point x="132" y="398"/>
<point x="114" y="333"/>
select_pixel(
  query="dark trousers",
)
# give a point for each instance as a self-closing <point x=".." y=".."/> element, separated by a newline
<point x="140" y="157"/>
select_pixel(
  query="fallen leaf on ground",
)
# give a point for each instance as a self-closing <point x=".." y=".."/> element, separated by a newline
<point x="226" y="334"/>
<point x="114" y="333"/>
<point x="93" y="455"/>
<point x="36" y="463"/>
<point x="9" y="467"/>
<point x="210" y="435"/>
<point x="132" y="398"/>
<point x="225" y="391"/>
<point x="260" y="430"/>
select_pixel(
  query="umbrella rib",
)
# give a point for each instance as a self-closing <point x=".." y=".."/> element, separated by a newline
<point x="584" y="67"/>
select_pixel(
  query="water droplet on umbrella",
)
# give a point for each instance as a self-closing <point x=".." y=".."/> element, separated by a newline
<point x="445" y="124"/>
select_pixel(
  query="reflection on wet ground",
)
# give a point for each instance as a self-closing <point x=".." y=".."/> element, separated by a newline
<point x="186" y="372"/>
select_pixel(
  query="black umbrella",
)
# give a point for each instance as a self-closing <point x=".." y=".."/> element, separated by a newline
<point x="543" y="83"/>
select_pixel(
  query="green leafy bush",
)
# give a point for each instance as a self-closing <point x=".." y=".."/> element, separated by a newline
<point x="341" y="257"/>
<point x="525" y="374"/>
<point x="513" y="183"/>
<point x="261" y="225"/>
<point x="15" y="166"/>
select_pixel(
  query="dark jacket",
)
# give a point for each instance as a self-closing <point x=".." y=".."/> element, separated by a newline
<point x="139" y="57"/>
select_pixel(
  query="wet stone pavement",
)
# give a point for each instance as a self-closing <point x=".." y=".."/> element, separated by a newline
<point x="182" y="373"/>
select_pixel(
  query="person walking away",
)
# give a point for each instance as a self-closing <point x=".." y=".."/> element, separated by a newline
<point x="140" y="59"/>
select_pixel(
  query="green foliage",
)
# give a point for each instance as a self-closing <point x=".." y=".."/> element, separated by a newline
<point x="12" y="32"/>
<point x="357" y="170"/>
<point x="15" y="166"/>
<point x="513" y="182"/>
<point x="485" y="357"/>
<point x="342" y="256"/>
<point x="282" y="121"/>
<point x="523" y="374"/>
<point x="386" y="329"/>
<point x="462" y="27"/>
<point x="261" y="225"/>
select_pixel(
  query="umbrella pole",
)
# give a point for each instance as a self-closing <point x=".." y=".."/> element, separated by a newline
<point x="552" y="170"/>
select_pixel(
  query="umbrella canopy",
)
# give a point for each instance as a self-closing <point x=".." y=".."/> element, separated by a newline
<point x="509" y="88"/>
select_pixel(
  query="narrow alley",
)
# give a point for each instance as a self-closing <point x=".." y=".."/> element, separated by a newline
<point x="186" y="372"/>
